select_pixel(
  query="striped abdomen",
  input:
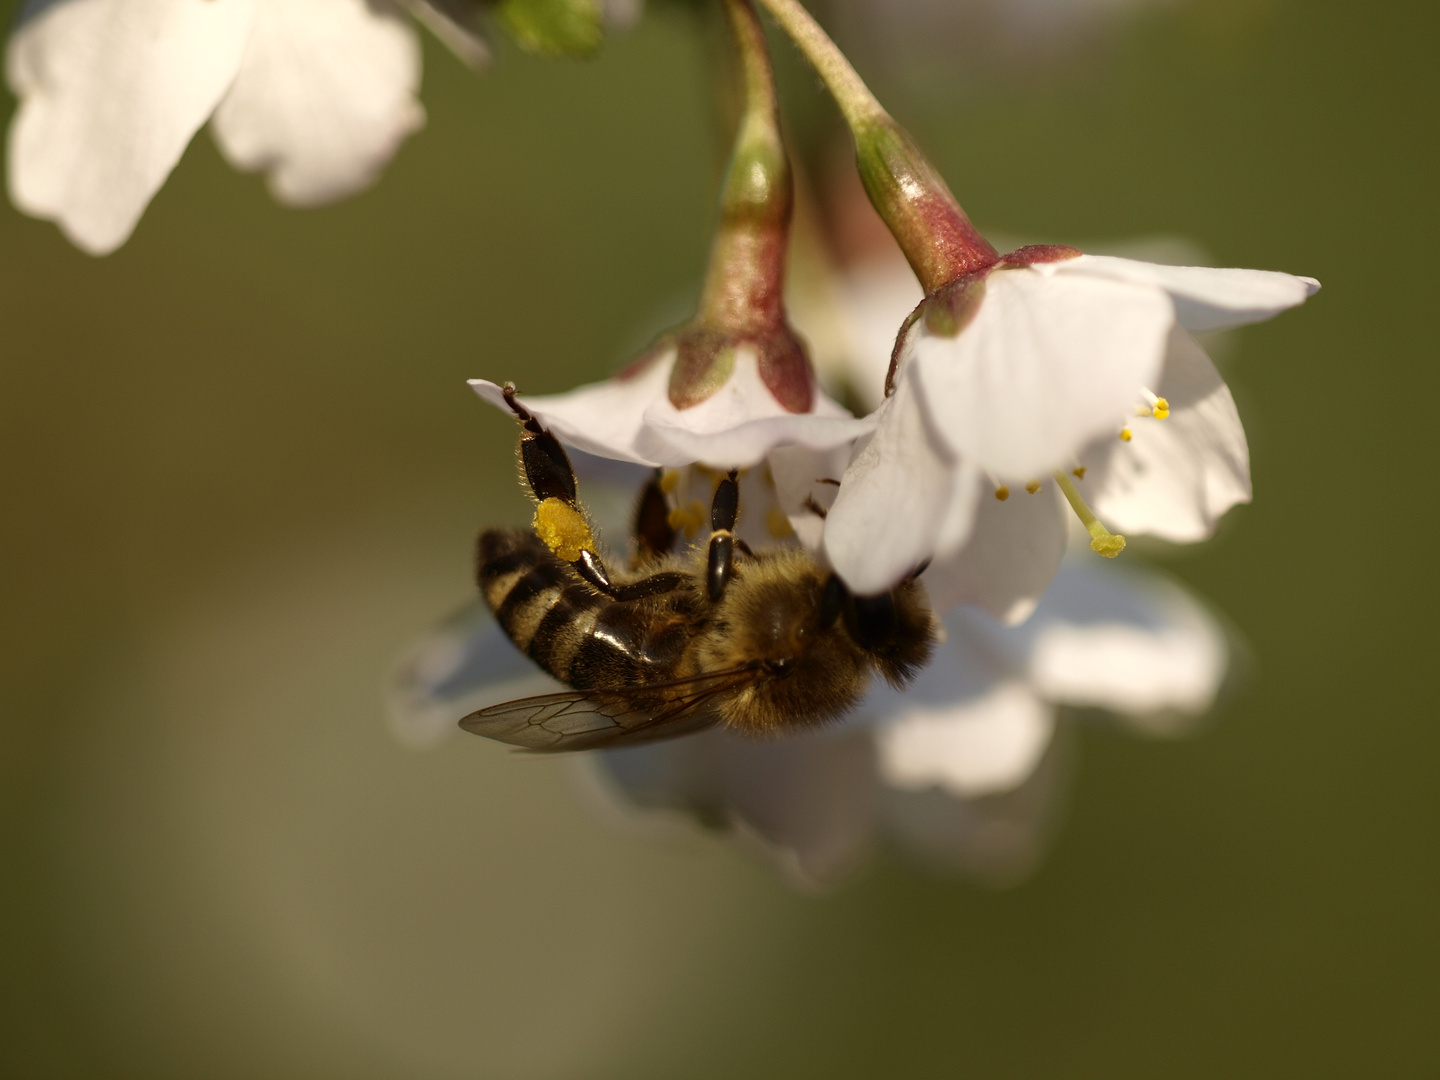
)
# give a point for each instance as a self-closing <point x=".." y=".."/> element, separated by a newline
<point x="584" y="639"/>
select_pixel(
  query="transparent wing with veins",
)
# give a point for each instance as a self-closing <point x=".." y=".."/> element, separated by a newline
<point x="584" y="720"/>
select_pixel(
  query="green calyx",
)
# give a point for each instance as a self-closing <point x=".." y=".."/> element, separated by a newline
<point x="571" y="28"/>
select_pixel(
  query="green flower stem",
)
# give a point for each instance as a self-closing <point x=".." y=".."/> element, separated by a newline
<point x="921" y="213"/>
<point x="743" y="285"/>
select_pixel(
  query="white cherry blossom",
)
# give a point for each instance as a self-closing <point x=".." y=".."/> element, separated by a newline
<point x="1029" y="374"/>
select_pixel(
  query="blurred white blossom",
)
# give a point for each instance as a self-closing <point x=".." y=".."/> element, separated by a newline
<point x="955" y="38"/>
<point x="318" y="94"/>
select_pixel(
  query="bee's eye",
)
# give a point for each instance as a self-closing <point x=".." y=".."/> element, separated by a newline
<point x="872" y="620"/>
<point x="832" y="601"/>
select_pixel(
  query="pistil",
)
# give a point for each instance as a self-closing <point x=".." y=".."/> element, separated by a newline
<point x="1102" y="540"/>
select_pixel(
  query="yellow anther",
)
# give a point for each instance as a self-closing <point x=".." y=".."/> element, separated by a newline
<point x="1126" y="434"/>
<point x="1102" y="540"/>
<point x="669" y="481"/>
<point x="777" y="524"/>
<point x="1002" y="493"/>
<point x="563" y="529"/>
<point x="1107" y="544"/>
<point x="1161" y="409"/>
<point x="1079" y="472"/>
<point x="687" y="519"/>
<point x="1032" y="486"/>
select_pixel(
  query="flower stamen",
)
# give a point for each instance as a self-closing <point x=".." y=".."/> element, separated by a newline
<point x="1032" y="486"/>
<point x="1126" y="434"/>
<point x="1002" y="492"/>
<point x="1102" y="540"/>
<point x="1159" y="407"/>
<point x="778" y="525"/>
<point x="688" y="519"/>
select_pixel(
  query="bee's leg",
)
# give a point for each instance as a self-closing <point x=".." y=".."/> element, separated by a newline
<point x="724" y="509"/>
<point x="654" y="536"/>
<point x="559" y="521"/>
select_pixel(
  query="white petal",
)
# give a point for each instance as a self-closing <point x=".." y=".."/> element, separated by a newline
<point x="1175" y="477"/>
<point x="1123" y="640"/>
<point x="1014" y="550"/>
<point x="971" y="748"/>
<point x="324" y="97"/>
<point x="604" y="418"/>
<point x="466" y="663"/>
<point x="740" y="423"/>
<point x="961" y="502"/>
<point x="800" y="477"/>
<point x="893" y="498"/>
<point x="964" y="724"/>
<point x="111" y="92"/>
<point x="998" y="839"/>
<point x="1205" y="298"/>
<point x="1048" y="363"/>
<point x="809" y="799"/>
<point x="632" y="419"/>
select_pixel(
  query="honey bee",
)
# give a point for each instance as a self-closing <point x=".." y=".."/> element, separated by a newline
<point x="761" y="642"/>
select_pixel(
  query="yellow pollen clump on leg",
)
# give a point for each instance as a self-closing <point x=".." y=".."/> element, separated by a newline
<point x="777" y="524"/>
<point x="563" y="529"/>
<point x="1102" y="540"/>
<point x="1032" y="486"/>
<point x="1002" y="493"/>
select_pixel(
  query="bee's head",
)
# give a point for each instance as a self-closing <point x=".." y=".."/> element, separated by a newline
<point x="771" y="621"/>
<point x="812" y="642"/>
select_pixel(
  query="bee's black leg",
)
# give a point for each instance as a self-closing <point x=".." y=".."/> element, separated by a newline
<point x="559" y="521"/>
<point x="547" y="467"/>
<point x="724" y="509"/>
<point x="654" y="536"/>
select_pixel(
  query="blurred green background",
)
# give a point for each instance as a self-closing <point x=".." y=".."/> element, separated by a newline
<point x="241" y="470"/>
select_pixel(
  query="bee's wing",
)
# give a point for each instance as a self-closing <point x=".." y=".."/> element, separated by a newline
<point x="581" y="720"/>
